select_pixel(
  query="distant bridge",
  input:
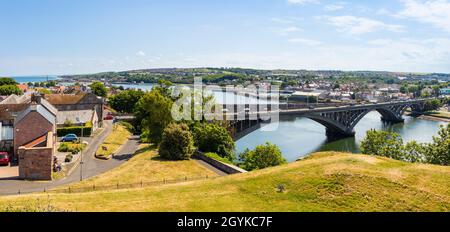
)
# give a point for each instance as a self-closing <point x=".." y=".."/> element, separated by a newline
<point x="339" y="120"/>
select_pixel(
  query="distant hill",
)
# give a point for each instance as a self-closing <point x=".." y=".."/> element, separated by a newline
<point x="324" y="182"/>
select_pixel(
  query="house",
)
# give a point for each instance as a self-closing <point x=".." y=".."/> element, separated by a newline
<point x="23" y="87"/>
<point x="27" y="131"/>
<point x="76" y="102"/>
<point x="78" y="118"/>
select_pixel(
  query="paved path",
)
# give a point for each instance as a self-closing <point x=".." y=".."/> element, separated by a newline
<point x="91" y="167"/>
<point x="210" y="167"/>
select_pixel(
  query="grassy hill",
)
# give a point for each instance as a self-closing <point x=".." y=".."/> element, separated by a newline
<point x="323" y="182"/>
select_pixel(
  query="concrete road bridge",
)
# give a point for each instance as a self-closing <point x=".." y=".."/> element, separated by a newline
<point x="339" y="120"/>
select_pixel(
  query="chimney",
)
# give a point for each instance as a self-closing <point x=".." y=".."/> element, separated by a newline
<point x="36" y="98"/>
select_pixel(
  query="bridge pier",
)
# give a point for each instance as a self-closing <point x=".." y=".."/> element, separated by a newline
<point x="336" y="135"/>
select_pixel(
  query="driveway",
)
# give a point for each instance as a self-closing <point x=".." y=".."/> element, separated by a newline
<point x="8" y="172"/>
<point x="91" y="167"/>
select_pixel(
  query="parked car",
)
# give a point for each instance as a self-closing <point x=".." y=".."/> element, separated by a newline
<point x="109" y="117"/>
<point x="70" y="138"/>
<point x="4" y="159"/>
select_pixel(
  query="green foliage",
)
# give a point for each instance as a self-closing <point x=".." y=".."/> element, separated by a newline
<point x="431" y="105"/>
<point x="9" y="90"/>
<point x="74" y="148"/>
<point x="264" y="156"/>
<point x="215" y="156"/>
<point x="210" y="137"/>
<point x="69" y="158"/>
<point x="99" y="89"/>
<point x="390" y="145"/>
<point x="126" y="100"/>
<point x="44" y="91"/>
<point x="438" y="152"/>
<point x="153" y="114"/>
<point x="7" y="81"/>
<point x="383" y="143"/>
<point x="177" y="143"/>
<point x="87" y="130"/>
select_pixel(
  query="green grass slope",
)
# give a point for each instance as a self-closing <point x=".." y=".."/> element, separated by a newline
<point x="323" y="182"/>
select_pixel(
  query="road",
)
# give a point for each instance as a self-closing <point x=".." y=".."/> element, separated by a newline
<point x="91" y="167"/>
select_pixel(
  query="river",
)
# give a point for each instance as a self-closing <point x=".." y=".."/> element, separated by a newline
<point x="300" y="137"/>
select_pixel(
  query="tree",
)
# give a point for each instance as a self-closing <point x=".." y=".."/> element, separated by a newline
<point x="99" y="89"/>
<point x="7" y="81"/>
<point x="177" y="142"/>
<point x="210" y="137"/>
<point x="126" y="100"/>
<point x="383" y="143"/>
<point x="431" y="105"/>
<point x="153" y="114"/>
<point x="438" y="152"/>
<point x="414" y="152"/>
<point x="6" y="90"/>
<point x="263" y="156"/>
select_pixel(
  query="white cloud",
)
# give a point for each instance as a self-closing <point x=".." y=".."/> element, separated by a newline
<point x="380" y="42"/>
<point x="303" y="41"/>
<point x="334" y="7"/>
<point x="434" y="12"/>
<point x="140" y="53"/>
<point x="302" y="2"/>
<point x="359" y="25"/>
<point x="289" y="30"/>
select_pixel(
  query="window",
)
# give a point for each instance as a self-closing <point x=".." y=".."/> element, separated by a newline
<point x="6" y="132"/>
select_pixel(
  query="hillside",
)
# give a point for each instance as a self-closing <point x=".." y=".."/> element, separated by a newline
<point x="323" y="182"/>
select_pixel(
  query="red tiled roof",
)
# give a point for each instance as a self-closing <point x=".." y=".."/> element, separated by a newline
<point x="64" y="99"/>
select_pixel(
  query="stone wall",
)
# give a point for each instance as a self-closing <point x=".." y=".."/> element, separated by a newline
<point x="35" y="163"/>
<point x="227" y="168"/>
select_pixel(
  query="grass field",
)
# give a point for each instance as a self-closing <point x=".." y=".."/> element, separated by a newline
<point x="324" y="182"/>
<point x="113" y="142"/>
<point x="147" y="166"/>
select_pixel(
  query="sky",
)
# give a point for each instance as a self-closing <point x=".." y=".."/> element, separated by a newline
<point x="55" y="37"/>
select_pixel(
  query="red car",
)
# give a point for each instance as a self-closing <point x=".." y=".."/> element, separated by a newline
<point x="109" y="117"/>
<point x="4" y="159"/>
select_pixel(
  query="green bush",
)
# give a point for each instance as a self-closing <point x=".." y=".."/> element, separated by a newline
<point x="264" y="156"/>
<point x="218" y="158"/>
<point x="73" y="148"/>
<point x="177" y="142"/>
<point x="214" y="138"/>
<point x="69" y="158"/>
<point x="87" y="130"/>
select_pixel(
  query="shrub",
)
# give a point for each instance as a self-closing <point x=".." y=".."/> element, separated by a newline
<point x="177" y="142"/>
<point x="87" y="130"/>
<point x="73" y="148"/>
<point x="214" y="138"/>
<point x="383" y="143"/>
<point x="69" y="158"/>
<point x="264" y="156"/>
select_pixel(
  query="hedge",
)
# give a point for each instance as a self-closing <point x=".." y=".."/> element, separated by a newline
<point x="87" y="131"/>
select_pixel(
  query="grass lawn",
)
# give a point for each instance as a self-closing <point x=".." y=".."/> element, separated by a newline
<point x="324" y="182"/>
<point x="147" y="166"/>
<point x="113" y="142"/>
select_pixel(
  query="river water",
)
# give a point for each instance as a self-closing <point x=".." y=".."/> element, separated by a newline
<point x="299" y="137"/>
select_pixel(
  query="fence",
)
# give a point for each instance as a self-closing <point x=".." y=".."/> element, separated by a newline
<point x="118" y="185"/>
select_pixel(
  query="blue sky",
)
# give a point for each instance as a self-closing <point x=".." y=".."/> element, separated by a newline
<point x="84" y="36"/>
